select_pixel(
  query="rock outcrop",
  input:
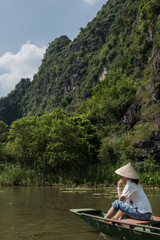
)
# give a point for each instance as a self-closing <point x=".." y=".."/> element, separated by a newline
<point x="131" y="116"/>
<point x="149" y="147"/>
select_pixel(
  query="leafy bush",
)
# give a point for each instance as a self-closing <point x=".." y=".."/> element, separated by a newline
<point x="149" y="172"/>
<point x="61" y="143"/>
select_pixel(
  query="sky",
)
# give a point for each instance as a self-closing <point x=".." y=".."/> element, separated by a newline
<point x="28" y="26"/>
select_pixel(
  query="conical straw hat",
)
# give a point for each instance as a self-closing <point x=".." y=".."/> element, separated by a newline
<point x="128" y="171"/>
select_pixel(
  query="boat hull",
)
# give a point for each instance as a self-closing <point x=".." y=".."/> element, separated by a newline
<point x="94" y="218"/>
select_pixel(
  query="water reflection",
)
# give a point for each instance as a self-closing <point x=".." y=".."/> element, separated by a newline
<point x="42" y="213"/>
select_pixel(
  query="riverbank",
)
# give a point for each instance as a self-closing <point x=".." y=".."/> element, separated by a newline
<point x="17" y="175"/>
<point x="69" y="186"/>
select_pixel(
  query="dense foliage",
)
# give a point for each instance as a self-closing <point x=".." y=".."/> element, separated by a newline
<point x="57" y="146"/>
<point x="109" y="76"/>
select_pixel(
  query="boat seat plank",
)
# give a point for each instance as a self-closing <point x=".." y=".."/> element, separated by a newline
<point x="156" y="218"/>
<point x="134" y="221"/>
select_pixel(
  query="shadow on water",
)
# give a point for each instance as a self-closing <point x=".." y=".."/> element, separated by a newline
<point x="42" y="213"/>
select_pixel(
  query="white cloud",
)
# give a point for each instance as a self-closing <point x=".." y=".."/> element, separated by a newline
<point x="90" y="1"/>
<point x="23" y="64"/>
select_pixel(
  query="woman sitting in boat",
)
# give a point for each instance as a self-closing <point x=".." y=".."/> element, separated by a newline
<point x="132" y="202"/>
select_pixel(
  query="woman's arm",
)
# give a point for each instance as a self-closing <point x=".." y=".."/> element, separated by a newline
<point x="119" y="190"/>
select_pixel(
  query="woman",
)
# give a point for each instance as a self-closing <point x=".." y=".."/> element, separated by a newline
<point x="132" y="202"/>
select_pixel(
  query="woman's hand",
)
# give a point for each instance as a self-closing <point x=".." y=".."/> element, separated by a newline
<point x="122" y="198"/>
<point x="120" y="182"/>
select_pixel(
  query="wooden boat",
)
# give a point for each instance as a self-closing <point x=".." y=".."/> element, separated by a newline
<point x="129" y="229"/>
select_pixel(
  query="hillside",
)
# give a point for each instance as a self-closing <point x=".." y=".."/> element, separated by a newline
<point x="110" y="74"/>
<point x="123" y="37"/>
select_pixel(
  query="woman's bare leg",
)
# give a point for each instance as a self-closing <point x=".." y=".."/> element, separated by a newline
<point x="118" y="215"/>
<point x="111" y="213"/>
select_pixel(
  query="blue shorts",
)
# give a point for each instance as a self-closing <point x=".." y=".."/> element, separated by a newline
<point x="130" y="211"/>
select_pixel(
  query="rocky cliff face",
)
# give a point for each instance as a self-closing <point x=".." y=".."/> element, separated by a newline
<point x="70" y="70"/>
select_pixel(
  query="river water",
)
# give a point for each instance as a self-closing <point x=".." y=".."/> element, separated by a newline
<point x="42" y="213"/>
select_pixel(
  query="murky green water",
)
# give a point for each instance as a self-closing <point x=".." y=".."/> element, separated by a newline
<point x="42" y="213"/>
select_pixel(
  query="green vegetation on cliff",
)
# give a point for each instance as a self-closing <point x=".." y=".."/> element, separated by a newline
<point x="109" y="76"/>
<point x="11" y="107"/>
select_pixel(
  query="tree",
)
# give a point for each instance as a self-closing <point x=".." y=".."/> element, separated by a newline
<point x="3" y="140"/>
<point x="21" y="140"/>
<point x="58" y="142"/>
